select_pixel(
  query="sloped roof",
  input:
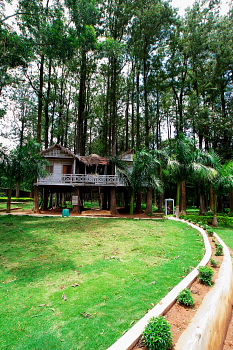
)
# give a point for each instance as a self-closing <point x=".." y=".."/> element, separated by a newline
<point x="93" y="159"/>
<point x="61" y="148"/>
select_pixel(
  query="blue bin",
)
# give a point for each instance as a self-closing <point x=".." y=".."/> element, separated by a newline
<point x="65" y="213"/>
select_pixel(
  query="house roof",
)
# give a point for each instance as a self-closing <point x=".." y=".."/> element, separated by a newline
<point x="93" y="159"/>
<point x="61" y="148"/>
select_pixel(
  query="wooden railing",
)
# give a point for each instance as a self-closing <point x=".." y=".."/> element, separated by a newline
<point x="80" y="179"/>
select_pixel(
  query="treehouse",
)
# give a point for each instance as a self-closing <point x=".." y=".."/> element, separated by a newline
<point x="71" y="177"/>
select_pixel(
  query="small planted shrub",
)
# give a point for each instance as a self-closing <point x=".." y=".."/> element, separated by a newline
<point x="205" y="275"/>
<point x="219" y="249"/>
<point x="210" y="232"/>
<point x="157" y="334"/>
<point x="185" y="298"/>
<point x="214" y="263"/>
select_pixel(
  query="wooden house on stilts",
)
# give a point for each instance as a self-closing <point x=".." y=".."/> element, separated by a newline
<point x="73" y="177"/>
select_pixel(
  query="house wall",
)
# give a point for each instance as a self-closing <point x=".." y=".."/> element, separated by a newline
<point x="58" y="165"/>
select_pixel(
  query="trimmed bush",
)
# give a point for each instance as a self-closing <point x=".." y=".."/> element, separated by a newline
<point x="205" y="275"/>
<point x="157" y="334"/>
<point x="185" y="298"/>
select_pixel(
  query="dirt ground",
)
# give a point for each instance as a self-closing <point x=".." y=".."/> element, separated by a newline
<point x="93" y="212"/>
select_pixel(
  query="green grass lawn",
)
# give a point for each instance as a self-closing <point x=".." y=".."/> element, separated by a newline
<point x="24" y="203"/>
<point x="226" y="233"/>
<point x="80" y="283"/>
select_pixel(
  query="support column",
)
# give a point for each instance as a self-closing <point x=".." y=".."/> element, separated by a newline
<point x="77" y="201"/>
<point x="113" y="207"/>
<point x="36" y="199"/>
<point x="45" y="199"/>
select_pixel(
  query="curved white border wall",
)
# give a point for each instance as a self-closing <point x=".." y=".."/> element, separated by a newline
<point x="130" y="338"/>
<point x="209" y="327"/>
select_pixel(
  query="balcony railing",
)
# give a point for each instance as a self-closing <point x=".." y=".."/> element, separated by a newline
<point x="80" y="179"/>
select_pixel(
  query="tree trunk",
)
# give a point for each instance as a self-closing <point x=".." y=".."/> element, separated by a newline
<point x="149" y="201"/>
<point x="212" y="195"/>
<point x="178" y="200"/>
<point x="45" y="199"/>
<point x="17" y="191"/>
<point x="202" y="204"/>
<point x="82" y="104"/>
<point x="9" y="195"/>
<point x="77" y="207"/>
<point x="146" y="106"/>
<point x="132" y="205"/>
<point x="215" y="220"/>
<point x="36" y="199"/>
<point x="46" y="109"/>
<point x="138" y="208"/>
<point x="231" y="201"/>
<point x="113" y="207"/>
<point x="183" y="198"/>
<point x="161" y="203"/>
<point x="138" y="138"/>
<point x="40" y="100"/>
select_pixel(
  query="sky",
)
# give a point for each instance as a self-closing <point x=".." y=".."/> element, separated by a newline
<point x="183" y="4"/>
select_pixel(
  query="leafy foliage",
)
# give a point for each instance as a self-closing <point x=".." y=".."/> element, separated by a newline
<point x="157" y="334"/>
<point x="219" y="249"/>
<point x="205" y="275"/>
<point x="185" y="298"/>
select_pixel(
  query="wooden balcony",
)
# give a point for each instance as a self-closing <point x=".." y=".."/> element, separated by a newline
<point x="80" y="180"/>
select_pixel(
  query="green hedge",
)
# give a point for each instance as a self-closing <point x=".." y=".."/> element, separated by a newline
<point x="14" y="199"/>
<point x="223" y="220"/>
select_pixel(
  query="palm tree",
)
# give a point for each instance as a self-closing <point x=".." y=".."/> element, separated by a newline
<point x="143" y="175"/>
<point x="188" y="163"/>
<point x="222" y="183"/>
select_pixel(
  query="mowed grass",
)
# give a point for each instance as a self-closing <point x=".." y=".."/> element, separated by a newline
<point x="226" y="233"/>
<point x="80" y="283"/>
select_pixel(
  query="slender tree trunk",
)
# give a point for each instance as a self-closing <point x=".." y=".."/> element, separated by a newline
<point x="215" y="220"/>
<point x="9" y="195"/>
<point x="138" y="208"/>
<point x="149" y="201"/>
<point x="146" y="106"/>
<point x="36" y="200"/>
<point x="202" y="204"/>
<point x="138" y="138"/>
<point x="82" y="104"/>
<point x="77" y="207"/>
<point x="40" y="100"/>
<point x="183" y="198"/>
<point x="231" y="201"/>
<point x="132" y="205"/>
<point x="132" y="103"/>
<point x="127" y="123"/>
<point x="113" y="206"/>
<point x="17" y="190"/>
<point x="46" y="109"/>
<point x="212" y="196"/>
<point x="178" y="199"/>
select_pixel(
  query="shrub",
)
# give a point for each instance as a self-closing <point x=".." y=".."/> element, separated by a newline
<point x="219" y="249"/>
<point x="157" y="334"/>
<point x="205" y="274"/>
<point x="185" y="298"/>
<point x="210" y="232"/>
<point x="214" y="263"/>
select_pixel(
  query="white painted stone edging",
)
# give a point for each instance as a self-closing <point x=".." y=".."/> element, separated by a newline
<point x="130" y="338"/>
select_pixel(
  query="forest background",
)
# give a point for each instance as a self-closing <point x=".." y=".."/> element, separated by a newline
<point x="106" y="76"/>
